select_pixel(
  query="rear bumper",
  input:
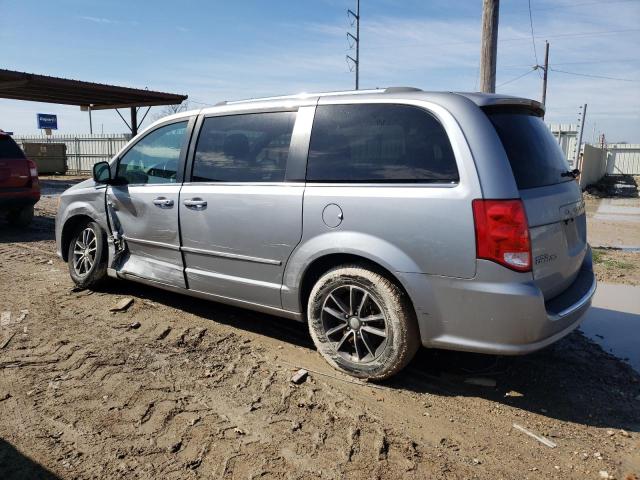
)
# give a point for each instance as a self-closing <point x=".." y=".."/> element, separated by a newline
<point x="18" y="197"/>
<point x="498" y="312"/>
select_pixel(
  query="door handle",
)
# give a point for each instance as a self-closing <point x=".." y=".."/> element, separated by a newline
<point x="195" y="203"/>
<point x="163" y="202"/>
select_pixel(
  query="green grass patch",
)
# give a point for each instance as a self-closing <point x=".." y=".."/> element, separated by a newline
<point x="598" y="255"/>
<point x="604" y="258"/>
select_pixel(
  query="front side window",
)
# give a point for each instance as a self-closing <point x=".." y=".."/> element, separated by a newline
<point x="250" y="147"/>
<point x="379" y="143"/>
<point x="154" y="159"/>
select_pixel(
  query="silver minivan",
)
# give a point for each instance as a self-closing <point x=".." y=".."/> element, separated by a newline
<point x="385" y="219"/>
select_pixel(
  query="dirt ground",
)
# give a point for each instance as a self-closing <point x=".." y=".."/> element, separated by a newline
<point x="609" y="230"/>
<point x="613" y="211"/>
<point x="615" y="266"/>
<point x="176" y="387"/>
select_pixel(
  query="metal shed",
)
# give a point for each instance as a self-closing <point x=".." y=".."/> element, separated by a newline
<point x="95" y="96"/>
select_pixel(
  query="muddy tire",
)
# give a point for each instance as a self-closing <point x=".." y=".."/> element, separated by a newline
<point x="362" y="323"/>
<point x="87" y="255"/>
<point x="21" y="217"/>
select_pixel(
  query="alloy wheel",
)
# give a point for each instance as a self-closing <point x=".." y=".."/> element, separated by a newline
<point x="84" y="252"/>
<point x="354" y="323"/>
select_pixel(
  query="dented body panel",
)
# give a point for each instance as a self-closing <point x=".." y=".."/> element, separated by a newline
<point x="253" y="244"/>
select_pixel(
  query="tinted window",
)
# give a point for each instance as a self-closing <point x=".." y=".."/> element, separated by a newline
<point x="244" y="148"/>
<point x="534" y="154"/>
<point x="379" y="143"/>
<point x="9" y="148"/>
<point x="154" y="159"/>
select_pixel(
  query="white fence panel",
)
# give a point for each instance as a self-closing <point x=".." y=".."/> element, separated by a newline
<point x="623" y="158"/>
<point x="567" y="137"/>
<point x="83" y="151"/>
<point x="593" y="165"/>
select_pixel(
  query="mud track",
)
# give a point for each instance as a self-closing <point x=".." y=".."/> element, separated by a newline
<point x="202" y="390"/>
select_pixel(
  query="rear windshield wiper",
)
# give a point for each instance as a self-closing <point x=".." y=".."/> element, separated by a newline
<point x="571" y="173"/>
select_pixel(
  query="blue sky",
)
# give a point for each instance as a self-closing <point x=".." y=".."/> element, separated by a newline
<point x="217" y="50"/>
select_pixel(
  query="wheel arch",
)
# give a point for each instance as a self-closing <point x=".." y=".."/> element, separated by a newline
<point x="322" y="264"/>
<point x="70" y="225"/>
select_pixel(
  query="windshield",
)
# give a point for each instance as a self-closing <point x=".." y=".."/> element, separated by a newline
<point x="534" y="154"/>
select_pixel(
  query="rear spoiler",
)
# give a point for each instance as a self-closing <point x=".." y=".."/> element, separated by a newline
<point x="502" y="104"/>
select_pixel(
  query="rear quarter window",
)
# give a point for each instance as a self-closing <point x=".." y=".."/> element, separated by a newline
<point x="534" y="154"/>
<point x="9" y="148"/>
<point x="373" y="143"/>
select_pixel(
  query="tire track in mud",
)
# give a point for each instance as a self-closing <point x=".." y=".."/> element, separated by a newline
<point x="233" y="399"/>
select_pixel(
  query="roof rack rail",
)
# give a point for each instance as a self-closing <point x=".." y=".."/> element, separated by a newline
<point x="302" y="95"/>
<point x="322" y="94"/>
<point x="401" y="89"/>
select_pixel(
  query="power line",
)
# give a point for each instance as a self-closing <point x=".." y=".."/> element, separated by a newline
<point x="591" y="62"/>
<point x="509" y="39"/>
<point x="594" y="76"/>
<point x="533" y="37"/>
<point x="590" y="34"/>
<point x="518" y="77"/>
<point x="583" y="4"/>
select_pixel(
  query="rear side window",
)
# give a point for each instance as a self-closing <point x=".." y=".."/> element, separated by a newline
<point x="371" y="143"/>
<point x="9" y="148"/>
<point x="534" y="154"/>
<point x="250" y="147"/>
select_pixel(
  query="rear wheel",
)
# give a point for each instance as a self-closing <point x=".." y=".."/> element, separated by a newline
<point x="21" y="217"/>
<point x="362" y="323"/>
<point x="87" y="255"/>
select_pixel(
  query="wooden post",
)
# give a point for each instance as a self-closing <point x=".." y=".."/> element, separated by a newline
<point x="546" y="72"/>
<point x="489" y="46"/>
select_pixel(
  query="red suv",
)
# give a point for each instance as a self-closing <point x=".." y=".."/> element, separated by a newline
<point x="19" y="186"/>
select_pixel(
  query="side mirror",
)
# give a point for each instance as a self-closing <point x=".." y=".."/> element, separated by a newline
<point x="102" y="173"/>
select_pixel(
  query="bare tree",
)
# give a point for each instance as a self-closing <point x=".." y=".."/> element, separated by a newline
<point x="170" y="110"/>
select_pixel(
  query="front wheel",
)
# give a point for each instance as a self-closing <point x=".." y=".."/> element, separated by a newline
<point x="87" y="255"/>
<point x="362" y="323"/>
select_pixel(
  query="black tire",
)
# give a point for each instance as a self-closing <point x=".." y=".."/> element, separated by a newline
<point x="88" y="274"/>
<point x="352" y="347"/>
<point x="21" y="217"/>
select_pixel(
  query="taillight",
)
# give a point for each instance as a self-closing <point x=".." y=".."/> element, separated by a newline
<point x="502" y="233"/>
<point x="33" y="172"/>
<point x="33" y="169"/>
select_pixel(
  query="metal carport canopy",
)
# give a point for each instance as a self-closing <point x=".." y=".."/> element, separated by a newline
<point x="96" y="96"/>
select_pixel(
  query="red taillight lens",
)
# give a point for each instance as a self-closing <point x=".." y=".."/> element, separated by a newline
<point x="502" y="233"/>
<point x="33" y="173"/>
<point x="33" y="169"/>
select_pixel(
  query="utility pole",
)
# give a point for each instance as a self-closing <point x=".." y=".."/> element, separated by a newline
<point x="582" y="116"/>
<point x="546" y="72"/>
<point x="356" y="41"/>
<point x="489" y="46"/>
<point x="90" y="121"/>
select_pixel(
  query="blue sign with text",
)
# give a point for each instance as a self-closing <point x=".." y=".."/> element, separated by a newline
<point x="47" y="120"/>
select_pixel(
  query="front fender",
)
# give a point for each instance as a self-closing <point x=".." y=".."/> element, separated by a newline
<point x="363" y="245"/>
<point x="87" y="202"/>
